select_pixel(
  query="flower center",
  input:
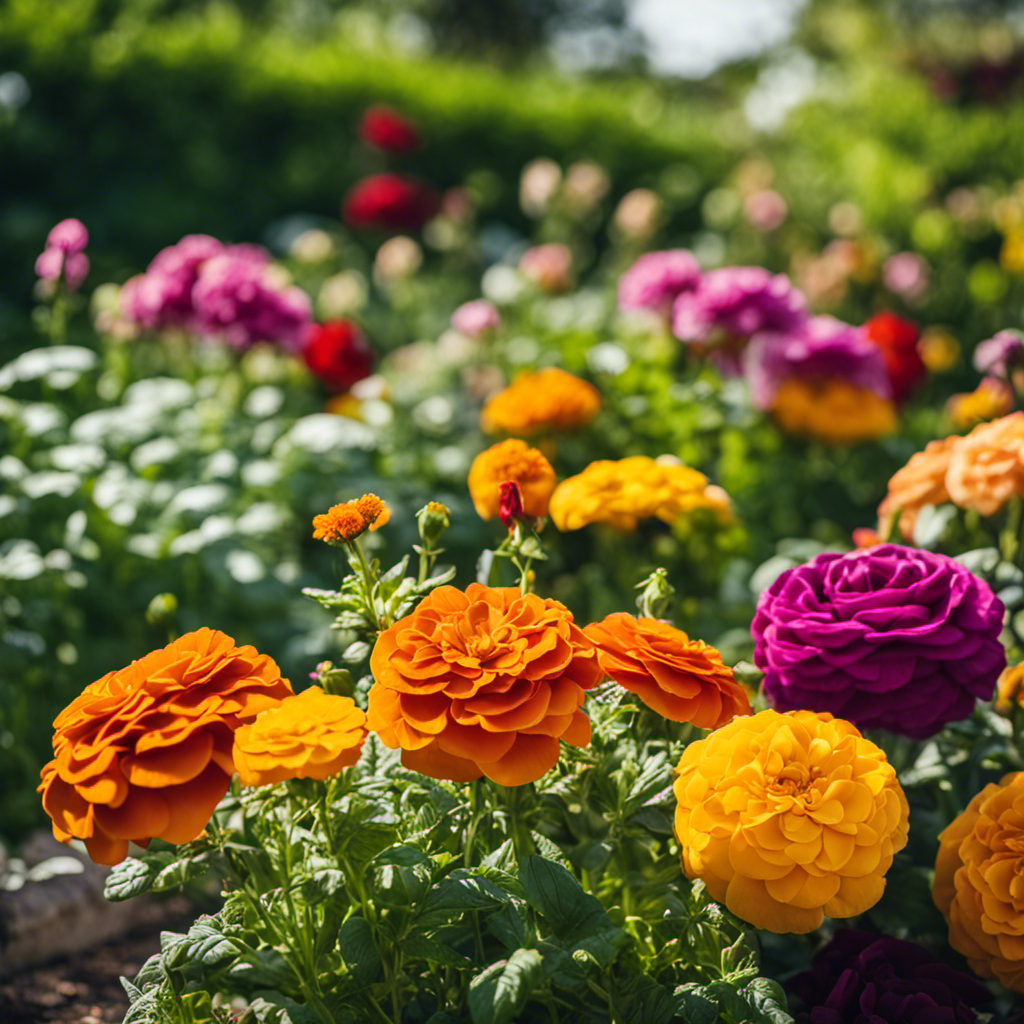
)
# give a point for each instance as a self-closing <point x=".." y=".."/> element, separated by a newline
<point x="794" y="780"/>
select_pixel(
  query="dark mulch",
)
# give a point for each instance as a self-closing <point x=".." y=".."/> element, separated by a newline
<point x="83" y="989"/>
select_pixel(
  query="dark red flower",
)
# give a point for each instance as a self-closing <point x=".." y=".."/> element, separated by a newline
<point x="510" y="503"/>
<point x="897" y="338"/>
<point x="386" y="129"/>
<point x="391" y="202"/>
<point x="339" y="354"/>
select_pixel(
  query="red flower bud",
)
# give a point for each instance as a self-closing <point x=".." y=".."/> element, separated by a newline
<point x="510" y="503"/>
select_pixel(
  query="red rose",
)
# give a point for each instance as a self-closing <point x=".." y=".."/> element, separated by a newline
<point x="897" y="338"/>
<point x="339" y="354"/>
<point x="386" y="129"/>
<point x="391" y="202"/>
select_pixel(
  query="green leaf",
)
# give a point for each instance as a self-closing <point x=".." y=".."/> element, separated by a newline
<point x="768" y="1000"/>
<point x="696" y="1004"/>
<point x="354" y="653"/>
<point x="205" y="943"/>
<point x="508" y="927"/>
<point x="396" y="572"/>
<point x="419" y="947"/>
<point x="328" y="598"/>
<point x="359" y="951"/>
<point x="275" y="1008"/>
<point x="550" y="850"/>
<point x="498" y="994"/>
<point x="555" y="893"/>
<point x="602" y="948"/>
<point x="136" y="875"/>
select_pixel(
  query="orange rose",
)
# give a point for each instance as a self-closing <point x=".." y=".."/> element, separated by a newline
<point x="682" y="679"/>
<point x="546" y="400"/>
<point x="789" y="817"/>
<point x="311" y="736"/>
<point x="511" y="460"/>
<point x="484" y="682"/>
<point x="986" y="468"/>
<point x="145" y="752"/>
<point x="978" y="881"/>
<point x="832" y="411"/>
<point x="922" y="481"/>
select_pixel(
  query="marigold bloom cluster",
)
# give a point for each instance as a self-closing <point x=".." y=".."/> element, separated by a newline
<point x="789" y="817"/>
<point x="515" y="461"/>
<point x="341" y="524"/>
<point x="145" y="752"/>
<point x="888" y="637"/>
<point x="1010" y="688"/>
<point x="309" y="736"/>
<point x="682" y="679"/>
<point x="482" y="682"/>
<point x="833" y="411"/>
<point x="979" y="881"/>
<point x="981" y="471"/>
<point x="992" y="398"/>
<point x="623" y="492"/>
<point x="546" y="400"/>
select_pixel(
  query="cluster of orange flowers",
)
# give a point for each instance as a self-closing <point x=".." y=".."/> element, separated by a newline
<point x="341" y="524"/>
<point x="981" y="471"/>
<point x="515" y="461"/>
<point x="545" y="400"/>
<point x="832" y="411"/>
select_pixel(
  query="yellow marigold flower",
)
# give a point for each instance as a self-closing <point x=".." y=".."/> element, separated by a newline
<point x="938" y="349"/>
<point x="991" y="398"/>
<point x="342" y="523"/>
<point x="788" y="817"/>
<point x="832" y="411"/>
<point x="310" y="736"/>
<point x="1011" y="255"/>
<point x="1010" y="689"/>
<point x="545" y="400"/>
<point x="986" y="467"/>
<point x="511" y="460"/>
<point x="623" y="492"/>
<point x="978" y="885"/>
<point x="922" y="481"/>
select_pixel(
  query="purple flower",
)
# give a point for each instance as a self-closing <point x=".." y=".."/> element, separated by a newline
<point x="738" y="302"/>
<point x="236" y="298"/>
<point x="53" y="264"/>
<point x="888" y="637"/>
<point x="861" y="978"/>
<point x="162" y="297"/>
<point x="657" y="279"/>
<point x="476" y="318"/>
<point x="68" y="236"/>
<point x="821" y="348"/>
<point x="998" y="353"/>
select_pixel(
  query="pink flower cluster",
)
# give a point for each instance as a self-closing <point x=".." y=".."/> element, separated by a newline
<point x="215" y="290"/>
<point x="64" y="257"/>
<point x="753" y="323"/>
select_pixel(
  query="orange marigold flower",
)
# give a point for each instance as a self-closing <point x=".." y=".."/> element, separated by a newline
<point x="310" y="736"/>
<point x="145" y="752"/>
<point x="978" y="884"/>
<point x="789" y="817"/>
<point x="622" y="493"/>
<point x="342" y="523"/>
<point x="1010" y="689"/>
<point x="484" y="682"/>
<point x="516" y="461"/>
<point x="545" y="400"/>
<point x="991" y="398"/>
<point x="682" y="679"/>
<point x="922" y="481"/>
<point x="832" y="411"/>
<point x="986" y="467"/>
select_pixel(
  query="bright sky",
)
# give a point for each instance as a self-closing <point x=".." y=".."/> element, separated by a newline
<point x="692" y="37"/>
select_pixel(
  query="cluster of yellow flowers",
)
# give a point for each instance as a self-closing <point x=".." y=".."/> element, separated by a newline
<point x="981" y="471"/>
<point x="832" y="411"/>
<point x="547" y="400"/>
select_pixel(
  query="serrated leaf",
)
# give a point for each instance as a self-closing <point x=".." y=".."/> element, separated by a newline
<point x="462" y="890"/>
<point x="204" y="943"/>
<point x="767" y="998"/>
<point x="329" y="598"/>
<point x="135" y="875"/>
<point x="359" y="951"/>
<point x="696" y="1004"/>
<point x="550" y="850"/>
<point x="500" y="992"/>
<point x="556" y="894"/>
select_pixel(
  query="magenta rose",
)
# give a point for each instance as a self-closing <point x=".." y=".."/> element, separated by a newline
<point x="888" y="637"/>
<point x="861" y="978"/>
